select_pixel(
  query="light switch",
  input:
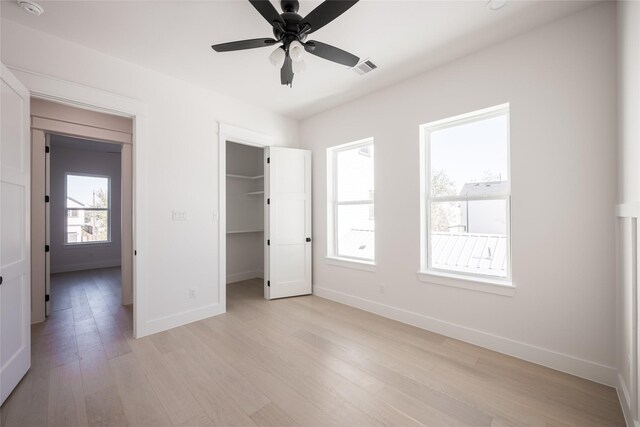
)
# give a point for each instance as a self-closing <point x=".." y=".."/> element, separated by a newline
<point x="178" y="215"/>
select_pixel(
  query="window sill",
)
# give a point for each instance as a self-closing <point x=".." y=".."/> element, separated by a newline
<point x="86" y="244"/>
<point x="351" y="263"/>
<point x="473" y="283"/>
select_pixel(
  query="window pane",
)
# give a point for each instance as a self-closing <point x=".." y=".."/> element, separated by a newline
<point x="470" y="236"/>
<point x="355" y="228"/>
<point x="470" y="159"/>
<point x="354" y="172"/>
<point x="87" y="191"/>
<point x="87" y="226"/>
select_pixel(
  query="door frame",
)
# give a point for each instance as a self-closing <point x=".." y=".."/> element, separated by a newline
<point x="68" y="93"/>
<point x="242" y="136"/>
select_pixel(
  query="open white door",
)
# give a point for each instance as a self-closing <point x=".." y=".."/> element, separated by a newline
<point x="287" y="222"/>
<point x="15" y="269"/>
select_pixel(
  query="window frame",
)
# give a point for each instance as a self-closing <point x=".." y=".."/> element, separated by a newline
<point x="449" y="277"/>
<point x="333" y="255"/>
<point x="67" y="209"/>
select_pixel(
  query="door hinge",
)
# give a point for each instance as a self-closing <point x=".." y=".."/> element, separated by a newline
<point x="308" y="239"/>
<point x="47" y="149"/>
<point x="46" y="199"/>
<point x="46" y="298"/>
<point x="268" y="159"/>
<point x="269" y="283"/>
<point x="268" y="242"/>
<point x="46" y="248"/>
<point x="135" y="253"/>
<point x="268" y="201"/>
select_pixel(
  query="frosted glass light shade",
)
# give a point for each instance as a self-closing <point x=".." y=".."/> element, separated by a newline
<point x="298" y="66"/>
<point x="296" y="51"/>
<point x="277" y="57"/>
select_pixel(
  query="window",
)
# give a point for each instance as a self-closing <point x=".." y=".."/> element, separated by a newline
<point x="351" y="234"/>
<point x="466" y="196"/>
<point x="88" y="209"/>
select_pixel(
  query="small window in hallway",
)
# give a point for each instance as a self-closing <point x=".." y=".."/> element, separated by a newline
<point x="88" y="206"/>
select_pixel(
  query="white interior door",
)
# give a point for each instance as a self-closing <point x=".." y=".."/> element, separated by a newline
<point x="287" y="222"/>
<point x="15" y="286"/>
<point x="47" y="226"/>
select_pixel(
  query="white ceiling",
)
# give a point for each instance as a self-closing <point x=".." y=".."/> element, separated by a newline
<point x="403" y="38"/>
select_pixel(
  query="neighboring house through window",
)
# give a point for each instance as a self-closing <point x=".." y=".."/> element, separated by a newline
<point x="350" y="183"/>
<point x="466" y="195"/>
<point x="88" y="208"/>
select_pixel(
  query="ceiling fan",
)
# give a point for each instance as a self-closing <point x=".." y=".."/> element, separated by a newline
<point x="291" y="30"/>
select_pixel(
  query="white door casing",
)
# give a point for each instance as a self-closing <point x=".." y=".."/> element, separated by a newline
<point x="287" y="222"/>
<point x="15" y="269"/>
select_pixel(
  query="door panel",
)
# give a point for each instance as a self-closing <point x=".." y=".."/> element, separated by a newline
<point x="15" y="332"/>
<point x="288" y="222"/>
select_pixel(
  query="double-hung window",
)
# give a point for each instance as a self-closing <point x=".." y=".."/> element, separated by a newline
<point x="350" y="211"/>
<point x="466" y="192"/>
<point x="87" y="208"/>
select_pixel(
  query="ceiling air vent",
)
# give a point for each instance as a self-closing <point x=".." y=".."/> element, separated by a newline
<point x="364" y="67"/>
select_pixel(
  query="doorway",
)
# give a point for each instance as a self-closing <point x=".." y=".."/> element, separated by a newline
<point x="245" y="203"/>
<point x="82" y="213"/>
<point x="282" y="195"/>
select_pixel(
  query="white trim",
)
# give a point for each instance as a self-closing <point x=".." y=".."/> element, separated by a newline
<point x="628" y="210"/>
<point x="623" y="397"/>
<point x="86" y="266"/>
<point x="351" y="263"/>
<point x="333" y="204"/>
<point x="80" y="96"/>
<point x="552" y="359"/>
<point x="227" y="132"/>
<point x="178" y="319"/>
<point x="452" y="277"/>
<point x="474" y="283"/>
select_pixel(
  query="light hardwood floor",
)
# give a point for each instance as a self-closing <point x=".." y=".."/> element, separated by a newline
<point x="300" y="361"/>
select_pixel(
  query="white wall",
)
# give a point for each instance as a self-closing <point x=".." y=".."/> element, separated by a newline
<point x="629" y="208"/>
<point x="560" y="81"/>
<point x="181" y="166"/>
<point x="82" y="257"/>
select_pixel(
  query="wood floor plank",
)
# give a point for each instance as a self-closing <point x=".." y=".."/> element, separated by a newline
<point x="169" y="384"/>
<point x="301" y="361"/>
<point x="104" y="408"/>
<point x="141" y="405"/>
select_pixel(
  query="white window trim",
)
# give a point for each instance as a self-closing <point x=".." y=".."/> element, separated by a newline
<point x="66" y="211"/>
<point x="333" y="257"/>
<point x="463" y="280"/>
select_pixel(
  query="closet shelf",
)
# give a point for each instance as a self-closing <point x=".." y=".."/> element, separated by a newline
<point x="243" y="231"/>
<point x="254" y="193"/>
<point x="229" y="175"/>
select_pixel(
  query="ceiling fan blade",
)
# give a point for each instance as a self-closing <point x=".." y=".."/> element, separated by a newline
<point x="243" y="44"/>
<point x="267" y="11"/>
<point x="325" y="13"/>
<point x="286" y="72"/>
<point x="331" y="53"/>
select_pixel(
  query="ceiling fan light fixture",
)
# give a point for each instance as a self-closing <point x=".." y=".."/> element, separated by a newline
<point x="296" y="51"/>
<point x="277" y="57"/>
<point x="298" y="66"/>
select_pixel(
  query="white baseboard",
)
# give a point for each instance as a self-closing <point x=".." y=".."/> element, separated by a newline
<point x="85" y="266"/>
<point x="562" y="362"/>
<point x="625" y="400"/>
<point x="244" y="275"/>
<point x="173" y="321"/>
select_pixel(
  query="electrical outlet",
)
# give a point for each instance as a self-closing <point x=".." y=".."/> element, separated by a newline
<point x="381" y="288"/>
<point x="192" y="293"/>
